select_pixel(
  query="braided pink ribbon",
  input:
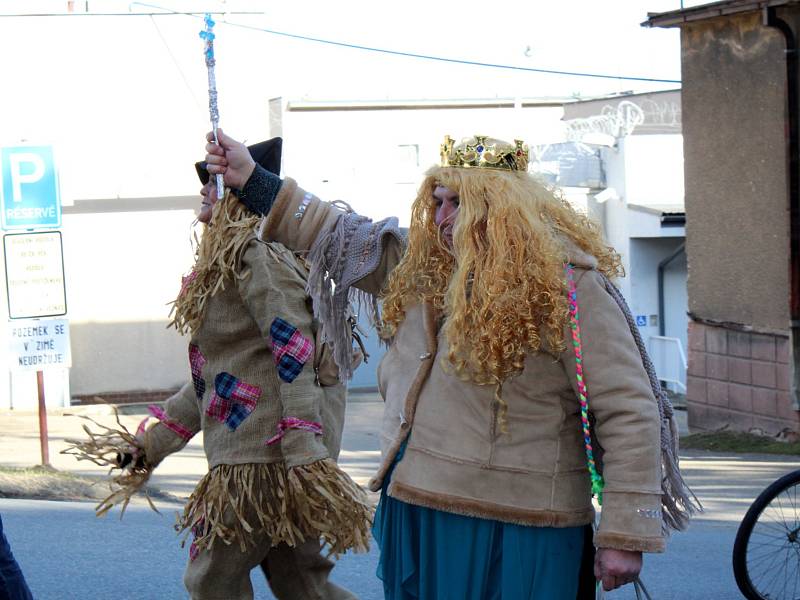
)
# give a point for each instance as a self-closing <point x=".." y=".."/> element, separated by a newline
<point x="294" y="423"/>
<point x="583" y="393"/>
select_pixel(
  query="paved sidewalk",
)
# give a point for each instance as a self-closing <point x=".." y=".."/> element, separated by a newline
<point x="178" y="474"/>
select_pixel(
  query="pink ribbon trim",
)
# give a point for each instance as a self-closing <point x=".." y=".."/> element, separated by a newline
<point x="294" y="423"/>
<point x="172" y="425"/>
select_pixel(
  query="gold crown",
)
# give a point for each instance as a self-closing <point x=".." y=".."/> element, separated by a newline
<point x="485" y="153"/>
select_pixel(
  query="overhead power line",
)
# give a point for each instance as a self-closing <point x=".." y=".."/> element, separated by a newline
<point x="458" y="61"/>
<point x="295" y="36"/>
<point x="136" y="14"/>
<point x="428" y="56"/>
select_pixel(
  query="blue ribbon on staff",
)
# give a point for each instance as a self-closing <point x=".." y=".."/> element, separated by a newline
<point x="207" y="35"/>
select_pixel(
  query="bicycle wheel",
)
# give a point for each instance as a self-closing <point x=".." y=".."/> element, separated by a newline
<point x="766" y="553"/>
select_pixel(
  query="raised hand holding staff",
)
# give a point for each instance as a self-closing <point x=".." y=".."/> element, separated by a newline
<point x="229" y="157"/>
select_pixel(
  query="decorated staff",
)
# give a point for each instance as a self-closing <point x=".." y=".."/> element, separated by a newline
<point x="213" y="110"/>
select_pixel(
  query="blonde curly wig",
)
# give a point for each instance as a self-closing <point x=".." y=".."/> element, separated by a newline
<point x="501" y="289"/>
<point x="231" y="228"/>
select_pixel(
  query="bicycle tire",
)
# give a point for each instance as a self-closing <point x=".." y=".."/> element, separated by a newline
<point x="777" y="547"/>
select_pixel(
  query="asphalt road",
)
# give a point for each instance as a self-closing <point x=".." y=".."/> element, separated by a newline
<point x="67" y="553"/>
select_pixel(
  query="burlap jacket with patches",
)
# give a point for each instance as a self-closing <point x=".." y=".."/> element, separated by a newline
<point x="457" y="461"/>
<point x="248" y="360"/>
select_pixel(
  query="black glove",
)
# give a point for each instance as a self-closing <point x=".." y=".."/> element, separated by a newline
<point x="126" y="459"/>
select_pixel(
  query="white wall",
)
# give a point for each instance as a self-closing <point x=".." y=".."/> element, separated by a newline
<point x="122" y="270"/>
<point x="366" y="157"/>
<point x="654" y="169"/>
<point x="646" y="254"/>
<point x="615" y="211"/>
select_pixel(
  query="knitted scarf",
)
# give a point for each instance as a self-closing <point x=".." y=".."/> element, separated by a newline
<point x="337" y="260"/>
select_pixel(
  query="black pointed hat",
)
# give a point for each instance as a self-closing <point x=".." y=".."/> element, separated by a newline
<point x="267" y="154"/>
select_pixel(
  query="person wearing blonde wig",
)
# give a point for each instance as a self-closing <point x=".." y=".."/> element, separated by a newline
<point x="489" y="376"/>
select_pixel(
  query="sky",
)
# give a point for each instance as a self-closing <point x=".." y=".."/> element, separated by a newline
<point x="109" y="92"/>
<point x="569" y="35"/>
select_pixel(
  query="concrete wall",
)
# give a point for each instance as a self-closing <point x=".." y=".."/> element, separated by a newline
<point x="734" y="112"/>
<point x="735" y="161"/>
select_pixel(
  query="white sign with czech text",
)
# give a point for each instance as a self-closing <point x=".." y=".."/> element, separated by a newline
<point x="39" y="344"/>
<point x="35" y="275"/>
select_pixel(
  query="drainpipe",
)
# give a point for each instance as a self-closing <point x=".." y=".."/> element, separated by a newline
<point x="770" y="19"/>
<point x="661" y="266"/>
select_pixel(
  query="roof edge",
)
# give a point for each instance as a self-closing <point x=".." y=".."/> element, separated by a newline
<point x="678" y="18"/>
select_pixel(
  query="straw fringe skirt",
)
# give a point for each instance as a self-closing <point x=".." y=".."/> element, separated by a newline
<point x="305" y="502"/>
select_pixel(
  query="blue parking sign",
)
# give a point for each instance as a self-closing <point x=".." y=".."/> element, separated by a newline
<point x="29" y="194"/>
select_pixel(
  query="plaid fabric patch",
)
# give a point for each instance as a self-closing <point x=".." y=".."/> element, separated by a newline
<point x="245" y="394"/>
<point x="290" y="349"/>
<point x="196" y="363"/>
<point x="171" y="424"/>
<point x="289" y="368"/>
<point x="225" y="383"/>
<point x="219" y="408"/>
<point x="232" y="400"/>
<point x="238" y="414"/>
<point x="281" y="331"/>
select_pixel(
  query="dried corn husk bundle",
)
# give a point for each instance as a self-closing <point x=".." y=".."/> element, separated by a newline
<point x="310" y="501"/>
<point x="106" y="448"/>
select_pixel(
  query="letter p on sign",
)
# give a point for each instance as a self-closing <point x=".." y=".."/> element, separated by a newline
<point x="29" y="194"/>
<point x="25" y="168"/>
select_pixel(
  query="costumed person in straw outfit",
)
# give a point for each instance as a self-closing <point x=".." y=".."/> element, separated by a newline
<point x="274" y="493"/>
<point x="512" y="360"/>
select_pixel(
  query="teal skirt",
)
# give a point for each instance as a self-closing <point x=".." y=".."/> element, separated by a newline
<point x="429" y="554"/>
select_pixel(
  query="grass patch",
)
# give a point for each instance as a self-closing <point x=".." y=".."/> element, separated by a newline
<point x="43" y="483"/>
<point x="736" y="441"/>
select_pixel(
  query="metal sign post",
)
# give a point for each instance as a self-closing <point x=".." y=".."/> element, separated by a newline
<point x="42" y="420"/>
<point x="35" y="345"/>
